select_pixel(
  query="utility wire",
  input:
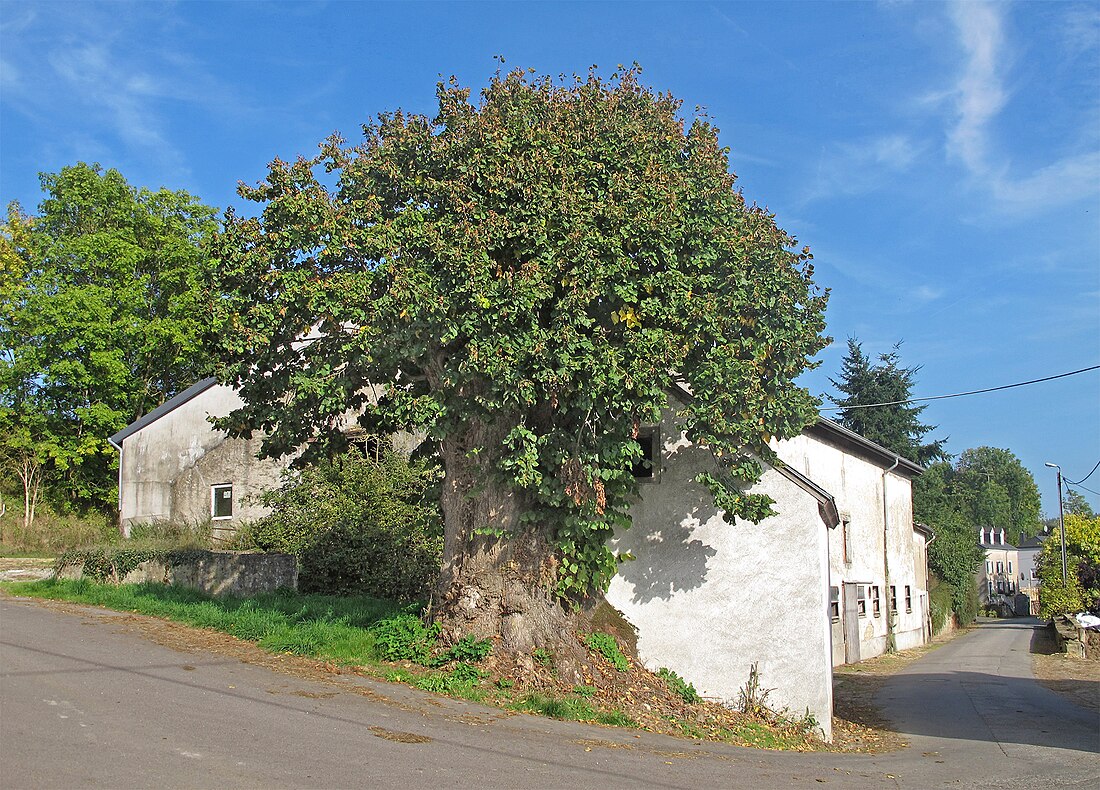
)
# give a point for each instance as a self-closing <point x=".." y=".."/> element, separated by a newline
<point x="1083" y="479"/>
<point x="1076" y="485"/>
<point x="961" y="394"/>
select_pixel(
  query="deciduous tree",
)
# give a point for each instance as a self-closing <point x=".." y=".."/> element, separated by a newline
<point x="103" y="294"/>
<point x="522" y="277"/>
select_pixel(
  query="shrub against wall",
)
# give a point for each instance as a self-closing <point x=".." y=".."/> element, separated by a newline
<point x="357" y="525"/>
<point x="1081" y="591"/>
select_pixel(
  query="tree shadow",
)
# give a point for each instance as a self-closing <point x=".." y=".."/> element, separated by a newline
<point x="667" y="558"/>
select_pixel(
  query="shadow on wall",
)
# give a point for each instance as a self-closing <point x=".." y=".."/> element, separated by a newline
<point x="667" y="558"/>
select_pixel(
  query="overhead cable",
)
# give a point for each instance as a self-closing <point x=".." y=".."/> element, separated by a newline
<point x="962" y="394"/>
<point x="1083" y="479"/>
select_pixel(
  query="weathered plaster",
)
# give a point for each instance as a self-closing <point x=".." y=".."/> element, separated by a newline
<point x="710" y="599"/>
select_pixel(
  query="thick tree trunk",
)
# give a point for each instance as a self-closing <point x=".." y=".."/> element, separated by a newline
<point x="499" y="574"/>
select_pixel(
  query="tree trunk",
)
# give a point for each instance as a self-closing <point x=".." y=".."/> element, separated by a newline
<point x="499" y="574"/>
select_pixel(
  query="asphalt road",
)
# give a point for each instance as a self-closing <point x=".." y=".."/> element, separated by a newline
<point x="86" y="701"/>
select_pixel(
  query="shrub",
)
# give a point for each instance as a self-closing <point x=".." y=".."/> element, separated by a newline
<point x="941" y="599"/>
<point x="358" y="526"/>
<point x="679" y="686"/>
<point x="606" y="646"/>
<point x="465" y="649"/>
<point x="1082" y="588"/>
<point x="404" y="637"/>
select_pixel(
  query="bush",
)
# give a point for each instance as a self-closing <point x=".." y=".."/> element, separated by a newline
<point x="358" y="526"/>
<point x="606" y="646"/>
<point x="941" y="600"/>
<point x="1082" y="588"/>
<point x="679" y="686"/>
<point x="405" y="638"/>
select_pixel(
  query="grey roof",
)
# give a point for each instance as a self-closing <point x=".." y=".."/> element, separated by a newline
<point x="862" y="446"/>
<point x="162" y="409"/>
<point x="924" y="528"/>
<point x="826" y="503"/>
<point x="1033" y="542"/>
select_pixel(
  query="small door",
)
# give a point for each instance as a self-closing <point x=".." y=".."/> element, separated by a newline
<point x="851" y="623"/>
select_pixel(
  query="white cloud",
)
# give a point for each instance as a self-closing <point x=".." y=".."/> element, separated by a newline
<point x="861" y="166"/>
<point x="978" y="97"/>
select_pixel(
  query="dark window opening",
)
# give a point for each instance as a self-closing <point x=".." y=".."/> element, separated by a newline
<point x="834" y="603"/>
<point x="645" y="466"/>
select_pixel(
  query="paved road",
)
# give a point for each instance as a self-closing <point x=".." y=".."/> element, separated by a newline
<point x="86" y="701"/>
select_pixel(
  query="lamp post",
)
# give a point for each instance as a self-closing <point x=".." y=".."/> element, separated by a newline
<point x="1061" y="520"/>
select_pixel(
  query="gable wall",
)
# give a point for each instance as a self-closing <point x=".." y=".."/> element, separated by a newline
<point x="168" y="466"/>
<point x="857" y="486"/>
<point x="710" y="598"/>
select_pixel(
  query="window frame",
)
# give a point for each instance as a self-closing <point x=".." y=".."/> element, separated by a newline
<point x="908" y="598"/>
<point x="876" y="600"/>
<point x="214" y="489"/>
<point x="861" y="600"/>
<point x="834" y="603"/>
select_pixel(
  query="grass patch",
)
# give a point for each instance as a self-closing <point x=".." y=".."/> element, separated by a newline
<point x="571" y="709"/>
<point x="332" y="628"/>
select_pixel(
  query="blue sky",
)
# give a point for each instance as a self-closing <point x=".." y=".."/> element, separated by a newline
<point x="942" y="160"/>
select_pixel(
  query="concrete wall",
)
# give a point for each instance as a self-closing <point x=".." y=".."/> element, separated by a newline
<point x="215" y="572"/>
<point x="709" y="598"/>
<point x="857" y="483"/>
<point x="168" y="467"/>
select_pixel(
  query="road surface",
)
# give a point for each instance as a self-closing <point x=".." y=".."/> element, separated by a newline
<point x="86" y="701"/>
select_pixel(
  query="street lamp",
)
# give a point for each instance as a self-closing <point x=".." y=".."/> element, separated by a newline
<point x="1061" y="520"/>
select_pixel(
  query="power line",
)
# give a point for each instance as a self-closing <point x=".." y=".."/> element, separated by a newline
<point x="962" y="394"/>
<point x="1077" y="485"/>
<point x="1083" y="479"/>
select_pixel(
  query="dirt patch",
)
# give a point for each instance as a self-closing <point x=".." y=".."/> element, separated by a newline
<point x="399" y="737"/>
<point x="25" y="563"/>
<point x="1076" y="679"/>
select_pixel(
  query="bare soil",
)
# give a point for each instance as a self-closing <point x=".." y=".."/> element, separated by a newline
<point x="1076" y="679"/>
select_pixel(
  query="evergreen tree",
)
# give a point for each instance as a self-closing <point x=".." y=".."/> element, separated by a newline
<point x="896" y="426"/>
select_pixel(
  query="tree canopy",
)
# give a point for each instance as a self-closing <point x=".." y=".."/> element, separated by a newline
<point x="522" y="277"/>
<point x="1081" y="590"/>
<point x="103" y="297"/>
<point x="895" y="426"/>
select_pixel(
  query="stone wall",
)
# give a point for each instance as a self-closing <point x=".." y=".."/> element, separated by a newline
<point x="215" y="572"/>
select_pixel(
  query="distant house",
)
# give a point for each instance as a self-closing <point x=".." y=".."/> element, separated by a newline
<point x="998" y="576"/>
<point x="175" y="467"/>
<point x="1028" y="555"/>
<point x="840" y="574"/>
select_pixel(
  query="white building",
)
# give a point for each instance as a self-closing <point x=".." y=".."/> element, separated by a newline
<point x="838" y="575"/>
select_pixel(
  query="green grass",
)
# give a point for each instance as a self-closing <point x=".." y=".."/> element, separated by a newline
<point x="571" y="709"/>
<point x="320" y="626"/>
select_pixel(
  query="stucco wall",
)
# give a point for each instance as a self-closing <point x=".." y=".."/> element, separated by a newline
<point x="856" y="483"/>
<point x="168" y="466"/>
<point x="709" y="598"/>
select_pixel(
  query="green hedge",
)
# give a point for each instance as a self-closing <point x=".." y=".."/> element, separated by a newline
<point x="358" y="526"/>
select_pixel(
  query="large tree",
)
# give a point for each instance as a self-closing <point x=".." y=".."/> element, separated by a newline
<point x="103" y="319"/>
<point x="522" y="277"/>
<point x="875" y="404"/>
<point x="994" y="489"/>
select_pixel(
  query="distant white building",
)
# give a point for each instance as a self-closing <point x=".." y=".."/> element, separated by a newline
<point x="998" y="576"/>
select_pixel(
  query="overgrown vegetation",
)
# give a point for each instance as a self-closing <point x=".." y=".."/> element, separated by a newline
<point x="606" y="646"/>
<point x="1081" y="590"/>
<point x="686" y="691"/>
<point x="358" y="525"/>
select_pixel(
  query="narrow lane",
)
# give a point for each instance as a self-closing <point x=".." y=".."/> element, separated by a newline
<point x="975" y="706"/>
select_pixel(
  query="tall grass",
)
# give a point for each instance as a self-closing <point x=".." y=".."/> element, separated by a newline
<point x="320" y="626"/>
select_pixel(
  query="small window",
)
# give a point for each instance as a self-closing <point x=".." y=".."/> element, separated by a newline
<point x="221" y="501"/>
<point x="989" y="567"/>
<point x="645" y="466"/>
<point x="893" y="597"/>
<point x="876" y="601"/>
<point x="861" y="601"/>
<point x="846" y="537"/>
<point x="1010" y="566"/>
<point x="834" y="603"/>
<point x="1000" y="567"/>
<point x="908" y="598"/>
